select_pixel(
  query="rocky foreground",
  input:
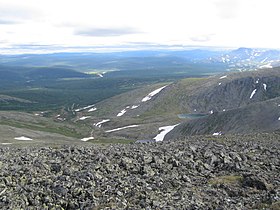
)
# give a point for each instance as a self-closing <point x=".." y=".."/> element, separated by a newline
<point x="225" y="172"/>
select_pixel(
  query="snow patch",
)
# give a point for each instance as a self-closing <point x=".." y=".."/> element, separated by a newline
<point x="87" y="139"/>
<point x="92" y="109"/>
<point x="224" y="110"/>
<point x="151" y="94"/>
<point x="163" y="131"/>
<point x="253" y="93"/>
<point x="23" y="138"/>
<point x="99" y="124"/>
<point x="118" y="129"/>
<point x="6" y="143"/>
<point x="220" y="83"/>
<point x="121" y="113"/>
<point x="100" y="75"/>
<point x="267" y="66"/>
<point x="217" y="133"/>
<point x="257" y="81"/>
<point x="84" y="117"/>
<point x="263" y="60"/>
<point x="211" y="112"/>
<point x="278" y="118"/>
<point x="223" y="77"/>
<point x="84" y="108"/>
<point x="134" y="106"/>
<point x="264" y="86"/>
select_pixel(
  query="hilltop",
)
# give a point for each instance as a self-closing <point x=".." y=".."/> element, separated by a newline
<point x="201" y="172"/>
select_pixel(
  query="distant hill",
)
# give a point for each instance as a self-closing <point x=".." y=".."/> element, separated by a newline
<point x="19" y="73"/>
<point x="54" y="73"/>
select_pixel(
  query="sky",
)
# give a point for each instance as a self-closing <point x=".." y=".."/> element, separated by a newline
<point x="100" y="25"/>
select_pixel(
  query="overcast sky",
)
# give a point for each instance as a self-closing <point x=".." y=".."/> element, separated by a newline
<point x="30" y="25"/>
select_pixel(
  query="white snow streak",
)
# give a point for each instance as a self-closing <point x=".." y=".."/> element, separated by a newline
<point x="253" y="93"/>
<point x="23" y="138"/>
<point x="87" y="139"/>
<point x="6" y="143"/>
<point x="83" y="108"/>
<point x="264" y="86"/>
<point x="121" y="113"/>
<point x="217" y="134"/>
<point x="99" y="124"/>
<point x="220" y="83"/>
<point x="92" y="109"/>
<point x="151" y="94"/>
<point x="267" y="66"/>
<point x="118" y="129"/>
<point x="84" y="118"/>
<point x="223" y="77"/>
<point x="134" y="106"/>
<point x="163" y="131"/>
<point x="263" y="60"/>
<point x="257" y="81"/>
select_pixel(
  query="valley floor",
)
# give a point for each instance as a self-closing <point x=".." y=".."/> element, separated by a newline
<point x="200" y="172"/>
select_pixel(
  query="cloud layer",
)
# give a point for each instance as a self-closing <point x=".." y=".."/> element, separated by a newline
<point x="229" y="23"/>
<point x="105" y="32"/>
<point x="12" y="14"/>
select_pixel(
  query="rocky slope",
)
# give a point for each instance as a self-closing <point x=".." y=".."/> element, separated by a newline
<point x="202" y="172"/>
<point x="240" y="103"/>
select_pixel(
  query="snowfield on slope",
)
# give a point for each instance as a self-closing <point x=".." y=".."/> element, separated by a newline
<point x="151" y="94"/>
<point x="92" y="109"/>
<point x="163" y="131"/>
<point x="23" y="138"/>
<point x="87" y="139"/>
<point x="223" y="77"/>
<point x="84" y="108"/>
<point x="118" y="129"/>
<point x="253" y="93"/>
<point x="84" y="118"/>
<point x="121" y="113"/>
<point x="99" y="124"/>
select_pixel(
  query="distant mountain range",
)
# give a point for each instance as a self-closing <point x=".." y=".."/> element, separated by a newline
<point x="244" y="59"/>
<point x="232" y="60"/>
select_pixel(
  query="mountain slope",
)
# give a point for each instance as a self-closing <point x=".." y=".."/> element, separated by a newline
<point x="244" y="103"/>
<point x="232" y="103"/>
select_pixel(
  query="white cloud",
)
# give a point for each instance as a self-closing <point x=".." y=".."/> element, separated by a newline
<point x="105" y="32"/>
<point x="170" y="22"/>
<point x="227" y="9"/>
